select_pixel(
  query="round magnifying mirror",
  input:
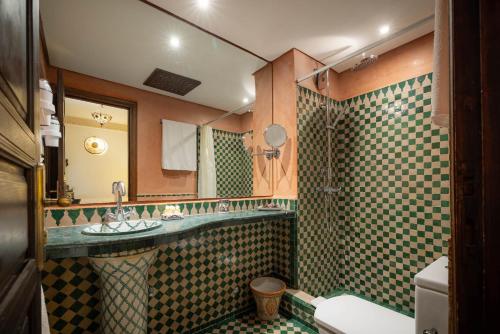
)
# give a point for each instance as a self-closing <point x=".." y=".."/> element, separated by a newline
<point x="275" y="135"/>
<point x="248" y="142"/>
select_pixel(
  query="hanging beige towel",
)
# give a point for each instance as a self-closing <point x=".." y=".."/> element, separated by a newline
<point x="178" y="146"/>
<point x="441" y="66"/>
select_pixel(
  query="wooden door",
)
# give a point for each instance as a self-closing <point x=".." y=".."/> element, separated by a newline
<point x="475" y="124"/>
<point x="19" y="276"/>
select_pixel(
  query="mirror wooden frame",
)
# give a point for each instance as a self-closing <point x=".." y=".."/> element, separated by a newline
<point x="131" y="106"/>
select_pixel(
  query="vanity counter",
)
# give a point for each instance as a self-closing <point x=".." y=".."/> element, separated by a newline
<point x="64" y="242"/>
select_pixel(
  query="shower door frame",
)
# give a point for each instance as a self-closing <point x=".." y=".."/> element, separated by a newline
<point x="131" y="107"/>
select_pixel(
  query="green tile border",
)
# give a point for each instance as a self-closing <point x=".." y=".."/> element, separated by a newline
<point x="55" y="217"/>
<point x="206" y="328"/>
<point x="296" y="301"/>
<point x="304" y="325"/>
<point x="300" y="304"/>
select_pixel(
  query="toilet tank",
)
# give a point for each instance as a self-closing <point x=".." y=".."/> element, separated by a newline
<point x="431" y="298"/>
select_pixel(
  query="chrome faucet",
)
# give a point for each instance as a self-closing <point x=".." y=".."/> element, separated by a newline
<point x="120" y="214"/>
<point x="223" y="205"/>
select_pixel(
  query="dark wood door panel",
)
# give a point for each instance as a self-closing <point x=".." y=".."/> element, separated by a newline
<point x="14" y="220"/>
<point x="19" y="275"/>
<point x="13" y="40"/>
<point x="17" y="302"/>
<point x="16" y="139"/>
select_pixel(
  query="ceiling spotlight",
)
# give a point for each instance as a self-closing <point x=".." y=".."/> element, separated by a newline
<point x="245" y="100"/>
<point x="175" y="42"/>
<point x="203" y="4"/>
<point x="384" y="29"/>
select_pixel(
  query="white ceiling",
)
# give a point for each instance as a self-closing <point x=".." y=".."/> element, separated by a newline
<point x="125" y="40"/>
<point x="319" y="28"/>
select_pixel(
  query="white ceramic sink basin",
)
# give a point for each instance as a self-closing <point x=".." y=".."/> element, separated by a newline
<point x="124" y="227"/>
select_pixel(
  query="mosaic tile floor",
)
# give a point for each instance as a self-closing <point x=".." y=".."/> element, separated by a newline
<point x="250" y="324"/>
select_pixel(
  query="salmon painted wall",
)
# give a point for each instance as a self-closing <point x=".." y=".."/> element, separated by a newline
<point x="246" y="122"/>
<point x="151" y="108"/>
<point x="262" y="117"/>
<point x="407" y="61"/>
<point x="284" y="113"/>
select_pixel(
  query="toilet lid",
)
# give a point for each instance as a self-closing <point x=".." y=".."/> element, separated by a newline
<point x="434" y="276"/>
<point x="352" y="315"/>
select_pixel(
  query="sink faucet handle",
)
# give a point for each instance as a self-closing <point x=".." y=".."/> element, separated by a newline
<point x="223" y="205"/>
<point x="119" y="188"/>
<point x="109" y="216"/>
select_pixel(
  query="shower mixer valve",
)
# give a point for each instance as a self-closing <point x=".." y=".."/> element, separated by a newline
<point x="332" y="190"/>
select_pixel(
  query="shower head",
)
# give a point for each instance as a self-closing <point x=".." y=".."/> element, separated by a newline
<point x="364" y="62"/>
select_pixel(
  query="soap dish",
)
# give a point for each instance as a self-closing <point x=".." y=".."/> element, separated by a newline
<point x="172" y="212"/>
<point x="172" y="217"/>
<point x="270" y="208"/>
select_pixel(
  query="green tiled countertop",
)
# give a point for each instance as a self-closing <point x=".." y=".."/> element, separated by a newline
<point x="63" y="242"/>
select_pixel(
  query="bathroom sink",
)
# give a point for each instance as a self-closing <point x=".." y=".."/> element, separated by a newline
<point x="124" y="227"/>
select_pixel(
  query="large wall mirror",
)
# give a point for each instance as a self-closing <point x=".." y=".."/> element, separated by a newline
<point x="149" y="99"/>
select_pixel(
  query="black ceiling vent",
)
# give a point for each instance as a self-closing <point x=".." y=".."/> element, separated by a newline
<point x="171" y="82"/>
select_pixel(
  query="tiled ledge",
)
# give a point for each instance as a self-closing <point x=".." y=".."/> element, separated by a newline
<point x="296" y="303"/>
<point x="70" y="242"/>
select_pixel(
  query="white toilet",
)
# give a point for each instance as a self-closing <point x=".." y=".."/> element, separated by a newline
<point x="431" y="298"/>
<point x="348" y="314"/>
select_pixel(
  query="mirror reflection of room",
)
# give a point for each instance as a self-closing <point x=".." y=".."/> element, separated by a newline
<point x="225" y="157"/>
<point x="195" y="98"/>
<point x="96" y="147"/>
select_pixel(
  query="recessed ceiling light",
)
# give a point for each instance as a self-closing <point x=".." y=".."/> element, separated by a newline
<point x="175" y="42"/>
<point x="203" y="4"/>
<point x="384" y="29"/>
<point x="245" y="100"/>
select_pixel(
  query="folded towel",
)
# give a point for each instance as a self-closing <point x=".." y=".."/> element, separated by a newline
<point x="178" y="146"/>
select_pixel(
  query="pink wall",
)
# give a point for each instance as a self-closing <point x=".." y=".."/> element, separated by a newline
<point x="407" y="61"/>
<point x="284" y="100"/>
<point x="262" y="117"/>
<point x="151" y="108"/>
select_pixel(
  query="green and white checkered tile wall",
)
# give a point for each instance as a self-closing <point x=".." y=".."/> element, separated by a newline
<point x="233" y="165"/>
<point x="393" y="217"/>
<point x="193" y="281"/>
<point x="318" y="231"/>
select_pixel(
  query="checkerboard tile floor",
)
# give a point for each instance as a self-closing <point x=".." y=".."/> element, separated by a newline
<point x="251" y="324"/>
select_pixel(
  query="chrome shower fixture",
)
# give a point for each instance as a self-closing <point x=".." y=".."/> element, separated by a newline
<point x="364" y="62"/>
